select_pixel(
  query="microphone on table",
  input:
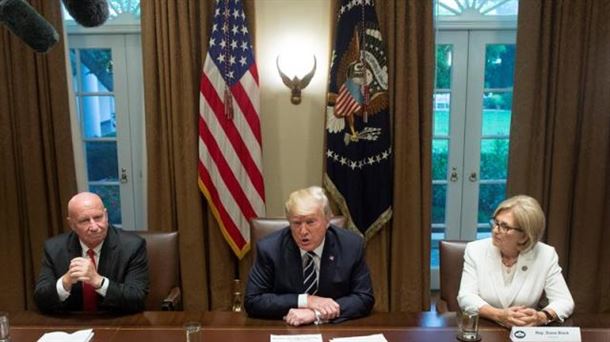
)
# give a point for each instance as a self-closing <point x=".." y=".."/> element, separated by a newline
<point x="25" y="22"/>
<point x="88" y="13"/>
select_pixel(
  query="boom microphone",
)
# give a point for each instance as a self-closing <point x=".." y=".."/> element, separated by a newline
<point x="23" y="20"/>
<point x="88" y="13"/>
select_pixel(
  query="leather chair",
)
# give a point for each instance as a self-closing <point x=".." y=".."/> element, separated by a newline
<point x="163" y="270"/>
<point x="263" y="226"/>
<point x="451" y="265"/>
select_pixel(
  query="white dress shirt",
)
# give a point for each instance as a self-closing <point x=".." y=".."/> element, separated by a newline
<point x="316" y="260"/>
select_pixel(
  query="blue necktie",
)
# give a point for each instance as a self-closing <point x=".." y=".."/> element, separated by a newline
<point x="310" y="276"/>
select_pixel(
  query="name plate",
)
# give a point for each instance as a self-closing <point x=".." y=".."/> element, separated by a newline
<point x="544" y="334"/>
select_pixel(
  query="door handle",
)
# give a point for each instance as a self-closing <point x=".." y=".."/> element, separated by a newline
<point x="124" y="175"/>
<point x="473" y="177"/>
<point x="453" y="176"/>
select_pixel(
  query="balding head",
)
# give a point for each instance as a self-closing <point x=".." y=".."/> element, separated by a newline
<point x="88" y="218"/>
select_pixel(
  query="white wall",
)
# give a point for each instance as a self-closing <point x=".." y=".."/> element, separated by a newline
<point x="293" y="135"/>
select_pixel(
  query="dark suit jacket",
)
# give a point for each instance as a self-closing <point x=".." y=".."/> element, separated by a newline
<point x="276" y="279"/>
<point x="123" y="261"/>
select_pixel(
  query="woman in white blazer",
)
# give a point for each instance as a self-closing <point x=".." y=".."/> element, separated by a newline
<point x="504" y="276"/>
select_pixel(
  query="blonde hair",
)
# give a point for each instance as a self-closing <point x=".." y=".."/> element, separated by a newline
<point x="528" y="216"/>
<point x="306" y="201"/>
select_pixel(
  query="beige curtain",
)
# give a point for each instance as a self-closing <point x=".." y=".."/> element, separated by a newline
<point x="399" y="255"/>
<point x="37" y="169"/>
<point x="175" y="37"/>
<point x="560" y="136"/>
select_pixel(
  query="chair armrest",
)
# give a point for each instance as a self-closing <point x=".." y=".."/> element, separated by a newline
<point x="173" y="300"/>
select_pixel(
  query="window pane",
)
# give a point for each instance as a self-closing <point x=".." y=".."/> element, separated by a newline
<point x="473" y="8"/>
<point x="99" y="116"/>
<point x="102" y="162"/>
<point x="442" y="103"/>
<point x="490" y="195"/>
<point x="439" y="198"/>
<point x="496" y="121"/>
<point x="434" y="255"/>
<point x="499" y="65"/>
<point x="490" y="7"/>
<point x="443" y="66"/>
<point x="96" y="70"/>
<point x="494" y="158"/>
<point x="440" y="153"/>
<point x="110" y="195"/>
<point x="73" y="68"/>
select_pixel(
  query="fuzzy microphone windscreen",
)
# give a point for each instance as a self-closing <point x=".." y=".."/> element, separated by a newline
<point x="88" y="13"/>
<point x="23" y="20"/>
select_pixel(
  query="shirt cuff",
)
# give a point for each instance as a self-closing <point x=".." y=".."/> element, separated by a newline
<point x="303" y="300"/>
<point x="61" y="292"/>
<point x="102" y="290"/>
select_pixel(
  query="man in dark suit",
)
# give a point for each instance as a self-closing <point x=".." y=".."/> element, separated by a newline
<point x="95" y="267"/>
<point x="311" y="271"/>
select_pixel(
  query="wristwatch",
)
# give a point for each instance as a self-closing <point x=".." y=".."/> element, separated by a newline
<point x="549" y="317"/>
<point x="101" y="284"/>
<point x="318" y="320"/>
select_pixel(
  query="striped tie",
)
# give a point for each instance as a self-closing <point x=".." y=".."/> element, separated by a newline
<point x="310" y="276"/>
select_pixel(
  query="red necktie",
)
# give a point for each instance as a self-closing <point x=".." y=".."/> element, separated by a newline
<point x="89" y="294"/>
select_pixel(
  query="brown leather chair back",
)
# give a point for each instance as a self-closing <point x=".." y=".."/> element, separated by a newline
<point x="451" y="265"/>
<point x="263" y="226"/>
<point x="163" y="268"/>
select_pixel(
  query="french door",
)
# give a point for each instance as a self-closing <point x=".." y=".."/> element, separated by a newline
<point x="472" y="114"/>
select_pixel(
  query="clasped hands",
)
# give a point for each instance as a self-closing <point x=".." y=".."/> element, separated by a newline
<point x="327" y="308"/>
<point x="81" y="269"/>
<point x="522" y="316"/>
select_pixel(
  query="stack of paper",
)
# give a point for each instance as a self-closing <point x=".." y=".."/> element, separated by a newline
<point x="369" y="338"/>
<point x="60" y="336"/>
<point x="297" y="338"/>
<point x="318" y="338"/>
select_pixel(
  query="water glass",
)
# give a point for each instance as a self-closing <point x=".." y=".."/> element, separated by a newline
<point x="5" y="333"/>
<point x="468" y="325"/>
<point x="193" y="331"/>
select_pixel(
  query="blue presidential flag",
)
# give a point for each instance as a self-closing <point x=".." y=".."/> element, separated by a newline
<point x="358" y="151"/>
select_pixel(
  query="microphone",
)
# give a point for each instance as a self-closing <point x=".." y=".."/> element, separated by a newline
<point x="23" y="20"/>
<point x="88" y="13"/>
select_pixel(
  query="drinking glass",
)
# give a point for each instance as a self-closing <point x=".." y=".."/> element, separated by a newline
<point x="5" y="333"/>
<point x="193" y="331"/>
<point x="468" y="325"/>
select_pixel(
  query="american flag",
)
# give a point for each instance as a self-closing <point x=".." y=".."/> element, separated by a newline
<point x="347" y="104"/>
<point x="230" y="162"/>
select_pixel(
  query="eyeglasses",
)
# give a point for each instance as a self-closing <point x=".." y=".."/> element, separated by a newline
<point x="504" y="228"/>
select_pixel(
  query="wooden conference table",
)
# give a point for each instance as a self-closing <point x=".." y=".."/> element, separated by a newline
<point x="228" y="326"/>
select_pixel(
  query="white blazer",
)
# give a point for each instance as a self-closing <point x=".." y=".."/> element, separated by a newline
<point x="537" y="270"/>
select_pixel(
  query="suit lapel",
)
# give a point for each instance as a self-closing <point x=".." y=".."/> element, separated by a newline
<point x="523" y="267"/>
<point x="74" y="248"/>
<point x="109" y="253"/>
<point x="328" y="263"/>
<point x="292" y="261"/>
<point x="494" y="263"/>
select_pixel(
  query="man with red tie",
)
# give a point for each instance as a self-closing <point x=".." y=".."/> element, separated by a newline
<point x="95" y="267"/>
